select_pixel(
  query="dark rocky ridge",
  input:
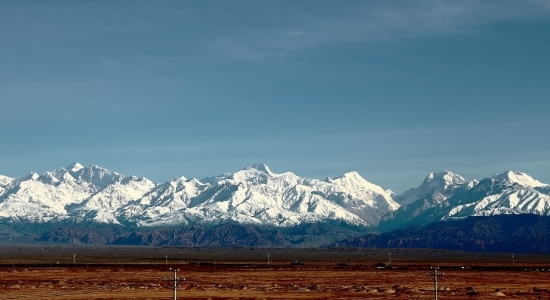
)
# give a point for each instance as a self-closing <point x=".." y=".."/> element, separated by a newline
<point x="226" y="235"/>
<point x="504" y="233"/>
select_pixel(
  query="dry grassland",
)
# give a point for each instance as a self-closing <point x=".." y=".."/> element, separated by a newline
<point x="243" y="274"/>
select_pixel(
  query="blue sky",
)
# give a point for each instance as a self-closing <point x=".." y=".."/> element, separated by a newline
<point x="391" y="89"/>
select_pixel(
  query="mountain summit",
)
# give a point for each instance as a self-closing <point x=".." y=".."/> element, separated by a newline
<point x="454" y="198"/>
<point x="256" y="195"/>
<point x="75" y="167"/>
<point x="440" y="185"/>
<point x="253" y="195"/>
<point x="519" y="178"/>
<point x="259" y="167"/>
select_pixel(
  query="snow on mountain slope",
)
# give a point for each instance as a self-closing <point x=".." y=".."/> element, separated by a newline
<point x="98" y="177"/>
<point x="519" y="178"/>
<point x="101" y="206"/>
<point x="439" y="185"/>
<point x="506" y="193"/>
<point x="420" y="204"/>
<point x="256" y="195"/>
<point x="163" y="205"/>
<point x="361" y="190"/>
<point x="448" y="196"/>
<point x="46" y="197"/>
<point x="4" y="182"/>
<point x="33" y="199"/>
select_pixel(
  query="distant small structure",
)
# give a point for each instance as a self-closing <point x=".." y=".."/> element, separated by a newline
<point x="297" y="263"/>
<point x="341" y="265"/>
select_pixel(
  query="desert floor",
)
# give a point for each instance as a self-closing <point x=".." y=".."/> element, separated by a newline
<point x="34" y="272"/>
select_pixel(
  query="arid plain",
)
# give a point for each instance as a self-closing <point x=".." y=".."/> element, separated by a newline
<point x="44" y="272"/>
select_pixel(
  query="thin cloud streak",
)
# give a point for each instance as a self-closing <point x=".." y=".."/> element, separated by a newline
<point x="373" y="22"/>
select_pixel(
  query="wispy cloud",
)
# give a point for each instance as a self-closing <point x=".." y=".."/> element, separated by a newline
<point x="352" y="22"/>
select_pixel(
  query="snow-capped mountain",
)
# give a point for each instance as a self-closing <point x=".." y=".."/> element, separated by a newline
<point x="438" y="185"/>
<point x="166" y="204"/>
<point x="47" y="196"/>
<point x="4" y="182"/>
<point x="506" y="193"/>
<point x="253" y="195"/>
<point x="256" y="195"/>
<point x="102" y="206"/>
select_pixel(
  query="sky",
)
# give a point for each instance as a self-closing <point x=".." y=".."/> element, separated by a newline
<point x="391" y="89"/>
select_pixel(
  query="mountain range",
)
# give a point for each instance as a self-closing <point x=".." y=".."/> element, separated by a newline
<point x="255" y="196"/>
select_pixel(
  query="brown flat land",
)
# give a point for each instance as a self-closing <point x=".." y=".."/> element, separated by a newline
<point x="244" y="273"/>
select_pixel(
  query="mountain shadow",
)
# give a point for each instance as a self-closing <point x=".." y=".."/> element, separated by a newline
<point x="524" y="233"/>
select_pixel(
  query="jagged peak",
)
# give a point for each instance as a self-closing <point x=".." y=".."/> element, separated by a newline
<point x="349" y="176"/>
<point x="194" y="181"/>
<point x="48" y="177"/>
<point x="355" y="179"/>
<point x="179" y="179"/>
<point x="31" y="176"/>
<point x="74" y="167"/>
<point x="97" y="168"/>
<point x="519" y="178"/>
<point x="444" y="179"/>
<point x="440" y="182"/>
<point x="352" y="174"/>
<point x="5" y="179"/>
<point x="259" y="167"/>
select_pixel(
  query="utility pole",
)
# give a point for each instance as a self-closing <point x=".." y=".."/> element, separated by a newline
<point x="513" y="260"/>
<point x="175" y="279"/>
<point x="165" y="259"/>
<point x="389" y="259"/>
<point x="435" y="275"/>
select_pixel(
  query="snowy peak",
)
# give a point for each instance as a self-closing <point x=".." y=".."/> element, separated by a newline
<point x="260" y="168"/>
<point x="102" y="206"/>
<point x="447" y="196"/>
<point x="96" y="175"/>
<point x="5" y="180"/>
<point x="354" y="181"/>
<point x="255" y="195"/>
<point x="437" y="186"/>
<point x="49" y="178"/>
<point x="350" y="176"/>
<point x="31" y="176"/>
<point x="362" y="195"/>
<point x="519" y="178"/>
<point x="443" y="180"/>
<point x="256" y="173"/>
<point x="75" y="167"/>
